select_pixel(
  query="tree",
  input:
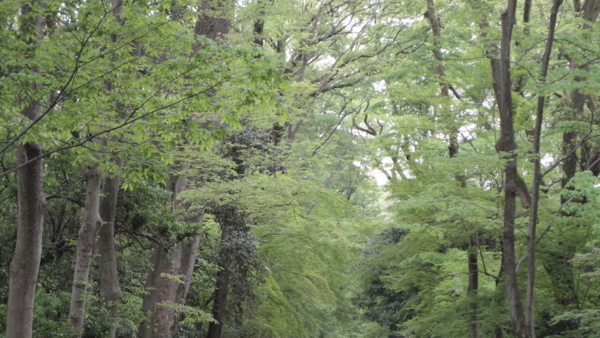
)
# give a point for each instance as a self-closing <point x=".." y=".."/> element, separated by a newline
<point x="25" y="263"/>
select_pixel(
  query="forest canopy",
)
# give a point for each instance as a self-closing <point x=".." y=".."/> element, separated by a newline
<point x="314" y="168"/>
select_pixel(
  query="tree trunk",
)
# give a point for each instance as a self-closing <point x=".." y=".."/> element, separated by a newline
<point x="215" y="25"/>
<point x="473" y="286"/>
<point x="25" y="264"/>
<point x="188" y="260"/>
<point x="232" y="270"/>
<point x="144" y="331"/>
<point x="164" y="292"/>
<point x="509" y="255"/>
<point x="86" y="241"/>
<point x="159" y="299"/>
<point x="537" y="180"/>
<point x="163" y="318"/>
<point x="110" y="291"/>
<point x="507" y="143"/>
<point x="160" y="289"/>
<point x="177" y="262"/>
<point x="498" y="327"/>
<point x="189" y="251"/>
<point x="215" y="329"/>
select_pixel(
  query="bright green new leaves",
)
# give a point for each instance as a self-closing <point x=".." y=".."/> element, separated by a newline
<point x="132" y="82"/>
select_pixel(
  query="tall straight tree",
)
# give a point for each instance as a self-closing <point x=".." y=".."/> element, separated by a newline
<point x="25" y="264"/>
<point x="537" y="178"/>
<point x="86" y="240"/>
<point x="508" y="144"/>
<point x="110" y="289"/>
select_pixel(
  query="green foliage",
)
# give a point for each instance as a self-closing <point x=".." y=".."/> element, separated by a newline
<point x="284" y="125"/>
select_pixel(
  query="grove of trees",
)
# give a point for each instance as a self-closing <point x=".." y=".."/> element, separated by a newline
<point x="299" y="168"/>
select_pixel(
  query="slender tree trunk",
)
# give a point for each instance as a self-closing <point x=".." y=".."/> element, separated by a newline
<point x="189" y="252"/>
<point x="149" y="302"/>
<point x="164" y="292"/>
<point x="86" y="240"/>
<point x="509" y="256"/>
<point x="215" y="329"/>
<point x="473" y="286"/>
<point x="439" y="71"/>
<point x="537" y="179"/>
<point x="507" y="143"/>
<point x="25" y="264"/>
<point x="498" y="327"/>
<point x="215" y="28"/>
<point x="110" y="291"/>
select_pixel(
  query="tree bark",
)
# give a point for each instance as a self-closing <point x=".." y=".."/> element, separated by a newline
<point x="236" y="259"/>
<point x="161" y="288"/>
<point x="86" y="240"/>
<point x="149" y="301"/>
<point x="508" y="144"/>
<point x="24" y="267"/>
<point x="164" y="292"/>
<point x="25" y="264"/>
<point x="537" y="180"/>
<point x="228" y="224"/>
<point x="189" y="252"/>
<point x="215" y="329"/>
<point x="160" y="295"/>
<point x="110" y="291"/>
<point x="473" y="286"/>
<point x="214" y="27"/>
<point x="163" y="318"/>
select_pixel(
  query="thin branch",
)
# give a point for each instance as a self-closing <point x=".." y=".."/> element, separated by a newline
<point x="76" y="201"/>
<point x="545" y="230"/>
<point x="62" y="92"/>
<point x="127" y="122"/>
